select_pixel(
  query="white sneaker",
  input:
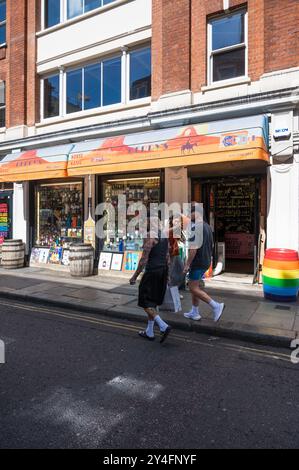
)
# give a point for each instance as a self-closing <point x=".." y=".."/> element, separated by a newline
<point x="192" y="316"/>
<point x="218" y="311"/>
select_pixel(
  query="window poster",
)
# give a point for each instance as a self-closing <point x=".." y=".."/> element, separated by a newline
<point x="131" y="260"/>
<point x="117" y="260"/>
<point x="55" y="255"/>
<point x="105" y="260"/>
<point x="4" y="225"/>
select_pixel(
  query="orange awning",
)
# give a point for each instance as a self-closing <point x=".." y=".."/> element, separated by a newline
<point x="219" y="141"/>
<point x="50" y="162"/>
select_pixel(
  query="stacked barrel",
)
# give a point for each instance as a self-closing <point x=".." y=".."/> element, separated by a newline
<point x="281" y="275"/>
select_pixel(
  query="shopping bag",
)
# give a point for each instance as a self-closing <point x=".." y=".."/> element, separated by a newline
<point x="176" y="271"/>
<point x="172" y="300"/>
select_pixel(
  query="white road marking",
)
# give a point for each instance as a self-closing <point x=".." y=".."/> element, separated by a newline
<point x="136" y="388"/>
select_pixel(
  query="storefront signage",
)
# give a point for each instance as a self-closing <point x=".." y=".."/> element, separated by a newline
<point x="239" y="245"/>
<point x="214" y="142"/>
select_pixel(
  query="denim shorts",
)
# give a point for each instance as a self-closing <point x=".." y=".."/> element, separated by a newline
<point x="196" y="274"/>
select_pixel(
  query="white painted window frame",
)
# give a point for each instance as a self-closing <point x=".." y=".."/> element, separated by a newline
<point x="124" y="55"/>
<point x="211" y="53"/>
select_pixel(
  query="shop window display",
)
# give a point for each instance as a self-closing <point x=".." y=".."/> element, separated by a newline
<point x="59" y="214"/>
<point x="145" y="190"/>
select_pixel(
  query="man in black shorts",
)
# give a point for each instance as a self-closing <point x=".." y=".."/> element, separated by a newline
<point x="155" y="259"/>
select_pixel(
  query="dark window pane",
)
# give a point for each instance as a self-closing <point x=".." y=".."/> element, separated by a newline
<point x="2" y="10"/>
<point x="2" y="117"/>
<point x="228" y="31"/>
<point x="51" y="96"/>
<point x="92" y="4"/>
<point x="2" y="93"/>
<point x="112" y="81"/>
<point x="140" y="74"/>
<point x="229" y="65"/>
<point x="52" y="13"/>
<point x="92" y="86"/>
<point x="74" y="8"/>
<point x="105" y="2"/>
<point x="74" y="91"/>
<point x="2" y="34"/>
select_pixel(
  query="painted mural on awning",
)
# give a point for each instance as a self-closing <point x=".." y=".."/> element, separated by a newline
<point x="219" y="141"/>
<point x="37" y="164"/>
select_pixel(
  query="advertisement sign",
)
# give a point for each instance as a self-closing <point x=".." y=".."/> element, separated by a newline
<point x="105" y="261"/>
<point x="131" y="260"/>
<point x="239" y="245"/>
<point x="117" y="261"/>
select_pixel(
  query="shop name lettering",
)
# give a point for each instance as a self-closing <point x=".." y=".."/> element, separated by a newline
<point x="150" y="460"/>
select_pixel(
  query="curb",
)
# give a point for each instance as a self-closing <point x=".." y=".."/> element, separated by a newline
<point x="230" y="330"/>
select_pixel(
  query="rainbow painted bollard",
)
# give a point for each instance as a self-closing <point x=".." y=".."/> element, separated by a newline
<point x="281" y="275"/>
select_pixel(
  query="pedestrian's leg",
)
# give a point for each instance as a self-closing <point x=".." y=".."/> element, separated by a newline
<point x="197" y="292"/>
<point x="164" y="327"/>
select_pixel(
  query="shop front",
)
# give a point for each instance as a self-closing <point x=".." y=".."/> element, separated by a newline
<point x="203" y="162"/>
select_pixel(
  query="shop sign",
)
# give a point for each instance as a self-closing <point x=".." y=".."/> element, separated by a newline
<point x="239" y="245"/>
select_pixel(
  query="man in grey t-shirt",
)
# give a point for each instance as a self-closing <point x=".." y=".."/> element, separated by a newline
<point x="198" y="262"/>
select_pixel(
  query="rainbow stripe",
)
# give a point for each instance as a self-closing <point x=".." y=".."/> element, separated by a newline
<point x="281" y="275"/>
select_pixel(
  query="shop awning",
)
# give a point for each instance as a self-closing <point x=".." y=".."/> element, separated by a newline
<point x="50" y="162"/>
<point x="213" y="142"/>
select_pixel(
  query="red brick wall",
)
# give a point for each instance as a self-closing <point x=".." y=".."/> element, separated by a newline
<point x="171" y="46"/>
<point x="281" y="34"/>
<point x="273" y="41"/>
<point x="17" y="62"/>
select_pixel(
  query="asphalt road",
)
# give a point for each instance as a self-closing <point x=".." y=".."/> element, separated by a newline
<point x="76" y="380"/>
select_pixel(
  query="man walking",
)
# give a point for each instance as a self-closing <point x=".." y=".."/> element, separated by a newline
<point x="155" y="259"/>
<point x="198" y="262"/>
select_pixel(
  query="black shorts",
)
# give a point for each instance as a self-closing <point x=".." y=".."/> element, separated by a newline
<point x="152" y="288"/>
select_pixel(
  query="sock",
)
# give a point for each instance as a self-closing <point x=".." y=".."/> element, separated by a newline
<point x="162" y="325"/>
<point x="213" y="304"/>
<point x="194" y="309"/>
<point x="150" y="328"/>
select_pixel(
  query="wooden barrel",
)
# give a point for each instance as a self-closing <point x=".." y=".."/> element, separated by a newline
<point x="81" y="259"/>
<point x="281" y="275"/>
<point x="13" y="254"/>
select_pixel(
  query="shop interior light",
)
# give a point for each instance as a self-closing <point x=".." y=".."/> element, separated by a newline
<point x="134" y="179"/>
<point x="70" y="183"/>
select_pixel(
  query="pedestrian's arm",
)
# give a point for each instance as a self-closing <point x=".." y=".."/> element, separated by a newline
<point x="191" y="256"/>
<point x="148" y="244"/>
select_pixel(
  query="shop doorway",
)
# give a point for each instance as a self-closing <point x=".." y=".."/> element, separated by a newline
<point x="232" y="209"/>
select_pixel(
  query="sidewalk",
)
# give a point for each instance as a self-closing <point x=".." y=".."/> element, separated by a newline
<point x="247" y="315"/>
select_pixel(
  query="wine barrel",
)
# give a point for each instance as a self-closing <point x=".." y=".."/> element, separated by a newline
<point x="81" y="259"/>
<point x="281" y="275"/>
<point x="13" y="254"/>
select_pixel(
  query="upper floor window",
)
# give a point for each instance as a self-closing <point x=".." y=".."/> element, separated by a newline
<point x="227" y="46"/>
<point x="140" y="73"/>
<point x="98" y="84"/>
<point x="52" y="13"/>
<point x="51" y="96"/>
<point x="58" y="11"/>
<point x="2" y="104"/>
<point x="2" y="22"/>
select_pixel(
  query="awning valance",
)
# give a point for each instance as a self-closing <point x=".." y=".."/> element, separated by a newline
<point x="213" y="142"/>
<point x="49" y="162"/>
